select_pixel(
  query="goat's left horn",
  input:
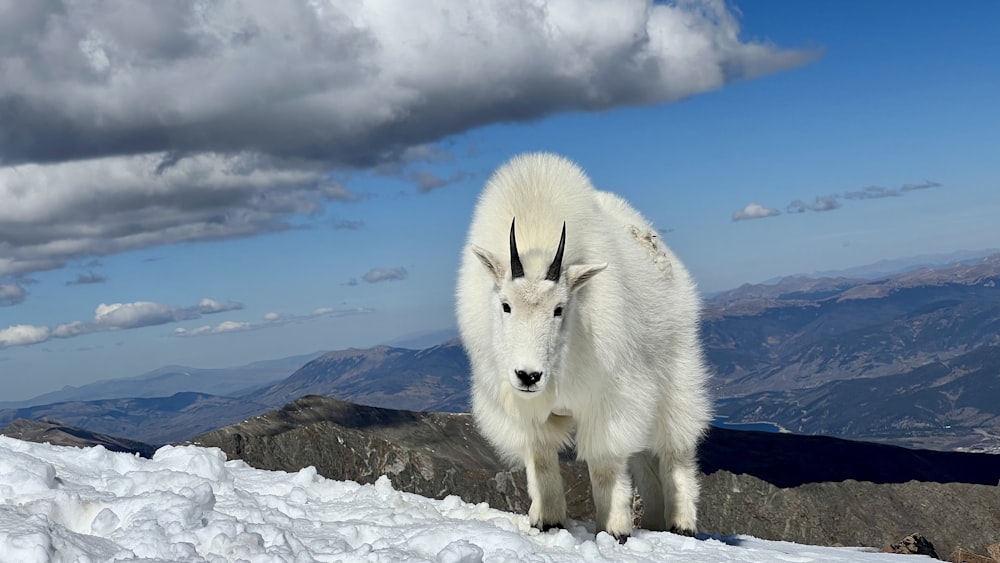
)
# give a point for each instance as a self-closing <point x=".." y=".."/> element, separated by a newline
<point x="555" y="269"/>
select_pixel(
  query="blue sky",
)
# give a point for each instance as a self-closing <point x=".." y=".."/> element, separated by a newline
<point x="214" y="188"/>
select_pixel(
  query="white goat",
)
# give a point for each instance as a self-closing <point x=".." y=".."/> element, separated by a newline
<point x="601" y="339"/>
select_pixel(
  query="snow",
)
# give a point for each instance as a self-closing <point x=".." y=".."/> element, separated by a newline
<point x="62" y="504"/>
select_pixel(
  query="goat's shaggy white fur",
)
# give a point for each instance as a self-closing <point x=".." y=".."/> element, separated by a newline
<point x="609" y="351"/>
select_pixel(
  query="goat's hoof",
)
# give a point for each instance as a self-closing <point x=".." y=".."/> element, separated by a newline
<point x="682" y="531"/>
<point x="621" y="538"/>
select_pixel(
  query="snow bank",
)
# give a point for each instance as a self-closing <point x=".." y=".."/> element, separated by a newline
<point x="188" y="503"/>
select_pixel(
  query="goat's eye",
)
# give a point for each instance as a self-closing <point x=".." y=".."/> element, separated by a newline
<point x="506" y="308"/>
<point x="557" y="312"/>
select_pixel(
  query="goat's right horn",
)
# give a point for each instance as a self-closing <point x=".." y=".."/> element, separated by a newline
<point x="516" y="270"/>
<point x="555" y="269"/>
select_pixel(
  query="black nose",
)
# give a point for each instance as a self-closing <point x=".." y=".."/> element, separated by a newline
<point x="526" y="378"/>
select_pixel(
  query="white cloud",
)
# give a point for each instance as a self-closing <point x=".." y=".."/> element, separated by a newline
<point x="754" y="211"/>
<point x="225" y="326"/>
<point x="69" y="330"/>
<point x="134" y="315"/>
<point x="271" y="319"/>
<point x="230" y="326"/>
<point x="140" y="124"/>
<point x="209" y="306"/>
<point x="123" y="316"/>
<point x="23" y="335"/>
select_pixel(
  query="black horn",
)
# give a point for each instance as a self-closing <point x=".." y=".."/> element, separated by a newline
<point x="555" y="269"/>
<point x="516" y="270"/>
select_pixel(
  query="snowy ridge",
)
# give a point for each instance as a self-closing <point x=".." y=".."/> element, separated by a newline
<point x="188" y="504"/>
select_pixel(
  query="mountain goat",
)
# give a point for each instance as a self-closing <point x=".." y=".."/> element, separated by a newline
<point x="588" y="326"/>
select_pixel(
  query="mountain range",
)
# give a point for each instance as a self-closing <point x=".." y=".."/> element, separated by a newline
<point x="910" y="359"/>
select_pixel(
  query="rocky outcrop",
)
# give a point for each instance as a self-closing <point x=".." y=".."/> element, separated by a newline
<point x="914" y="544"/>
<point x="766" y="485"/>
<point x="48" y="431"/>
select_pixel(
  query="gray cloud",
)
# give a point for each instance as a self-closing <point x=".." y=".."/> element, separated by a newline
<point x="872" y="192"/>
<point x="830" y="202"/>
<point x="300" y="80"/>
<point x="822" y="203"/>
<point x="924" y="186"/>
<point x="427" y="181"/>
<point x="12" y="294"/>
<point x="129" y="125"/>
<point x="376" y="275"/>
<point x="347" y="225"/>
<point x="64" y="211"/>
<point x="754" y="211"/>
<point x="88" y="278"/>
<point x="825" y="203"/>
<point x="797" y="206"/>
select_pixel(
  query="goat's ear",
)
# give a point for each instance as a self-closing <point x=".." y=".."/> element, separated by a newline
<point x="580" y="274"/>
<point x="494" y="266"/>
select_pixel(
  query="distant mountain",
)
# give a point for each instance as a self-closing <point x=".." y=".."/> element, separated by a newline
<point x="433" y="379"/>
<point x="893" y="266"/>
<point x="424" y="339"/>
<point x="805" y="333"/>
<point x="949" y="404"/>
<point x="809" y="489"/>
<point x="47" y="431"/>
<point x="154" y="421"/>
<point x="166" y="381"/>
<point x="908" y="359"/>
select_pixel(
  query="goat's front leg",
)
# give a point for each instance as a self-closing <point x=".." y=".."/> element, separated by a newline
<point x="612" y="489"/>
<point x="545" y="487"/>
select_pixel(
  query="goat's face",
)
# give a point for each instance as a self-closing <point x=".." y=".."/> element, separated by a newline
<point x="531" y="312"/>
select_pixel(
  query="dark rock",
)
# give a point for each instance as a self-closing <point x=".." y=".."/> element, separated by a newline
<point x="913" y="544"/>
